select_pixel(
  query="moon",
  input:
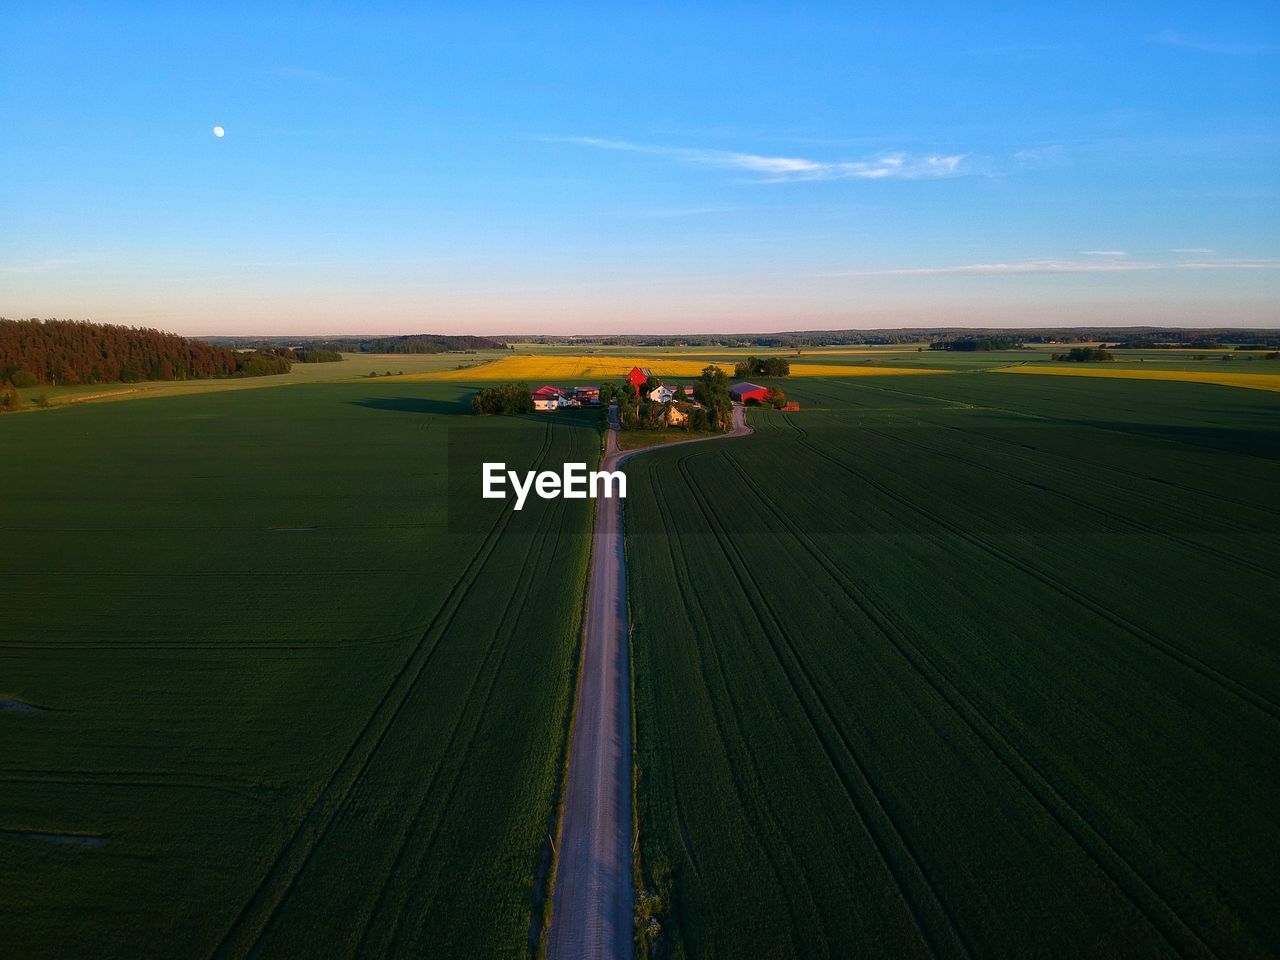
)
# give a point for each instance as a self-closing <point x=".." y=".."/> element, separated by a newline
<point x="219" y="132"/>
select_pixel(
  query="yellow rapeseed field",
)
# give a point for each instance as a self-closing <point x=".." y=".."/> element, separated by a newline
<point x="1226" y="378"/>
<point x="849" y="370"/>
<point x="562" y="370"/>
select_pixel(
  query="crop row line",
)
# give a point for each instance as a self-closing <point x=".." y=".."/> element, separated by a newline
<point x="1127" y="879"/>
<point x="414" y="823"/>
<point x="1094" y="465"/>
<point x="522" y="592"/>
<point x="1091" y="506"/>
<point x="1127" y="434"/>
<point x="261" y="909"/>
<point x="229" y="785"/>
<point x="693" y="603"/>
<point x="1255" y="699"/>
<point x="936" y="926"/>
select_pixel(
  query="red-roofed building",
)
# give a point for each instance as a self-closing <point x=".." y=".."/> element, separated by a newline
<point x="742" y="392"/>
<point x="638" y="376"/>
<point x="547" y="398"/>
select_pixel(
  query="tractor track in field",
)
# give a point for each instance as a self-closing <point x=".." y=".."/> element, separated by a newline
<point x="1076" y="471"/>
<point x="1091" y="506"/>
<point x="760" y="808"/>
<point x="257" y="914"/>
<point x="395" y="929"/>
<point x="1123" y="875"/>
<point x="1127" y="434"/>
<point x="935" y="925"/>
<point x="425" y="856"/>
<point x="1255" y="699"/>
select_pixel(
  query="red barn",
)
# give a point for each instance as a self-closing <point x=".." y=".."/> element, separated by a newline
<point x="742" y="392"/>
<point x="638" y="376"/>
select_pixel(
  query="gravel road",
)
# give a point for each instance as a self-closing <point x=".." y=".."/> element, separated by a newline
<point x="592" y="913"/>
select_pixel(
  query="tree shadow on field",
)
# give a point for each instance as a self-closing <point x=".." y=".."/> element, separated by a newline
<point x="421" y="405"/>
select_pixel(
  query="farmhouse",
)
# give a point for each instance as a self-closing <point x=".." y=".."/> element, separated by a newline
<point x="589" y="396"/>
<point x="742" y="392"/>
<point x="675" y="416"/>
<point x="638" y="376"/>
<point x="688" y="393"/>
<point x="661" y="394"/>
<point x="791" y="406"/>
<point x="548" y="398"/>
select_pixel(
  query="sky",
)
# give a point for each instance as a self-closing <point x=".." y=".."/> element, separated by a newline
<point x="597" y="168"/>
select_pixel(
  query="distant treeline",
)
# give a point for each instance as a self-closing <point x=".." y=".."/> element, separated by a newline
<point x="969" y="344"/>
<point x="410" y="343"/>
<point x="1144" y="343"/>
<point x="799" y="339"/>
<point x="35" y="352"/>
<point x="307" y="356"/>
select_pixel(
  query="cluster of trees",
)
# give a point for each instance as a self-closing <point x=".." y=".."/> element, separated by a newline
<point x="969" y="344"/>
<point x="9" y="397"/>
<point x="1085" y="355"/>
<point x="505" y="400"/>
<point x="308" y="356"/>
<point x="713" y="413"/>
<point x="258" y="364"/>
<point x="712" y="391"/>
<point x="762" y="367"/>
<point x="35" y="352"/>
<point x="642" y="416"/>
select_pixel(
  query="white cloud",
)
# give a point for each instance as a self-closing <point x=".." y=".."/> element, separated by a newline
<point x="1103" y="253"/>
<point x="1047" y="154"/>
<point x="1171" y="38"/>
<point x="1199" y="250"/>
<point x="898" y="166"/>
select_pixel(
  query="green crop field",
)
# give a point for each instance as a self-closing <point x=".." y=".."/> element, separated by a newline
<point x="962" y="666"/>
<point x="352" y="366"/>
<point x="267" y="689"/>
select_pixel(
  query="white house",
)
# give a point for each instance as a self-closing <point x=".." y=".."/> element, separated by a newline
<point x="548" y="398"/>
<point x="661" y="394"/>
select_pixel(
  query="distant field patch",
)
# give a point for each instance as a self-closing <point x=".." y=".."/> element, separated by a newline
<point x="1251" y="381"/>
<point x="592" y="369"/>
<point x="555" y="367"/>
<point x="850" y="370"/>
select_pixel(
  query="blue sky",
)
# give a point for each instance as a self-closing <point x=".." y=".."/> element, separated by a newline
<point x="570" y="169"/>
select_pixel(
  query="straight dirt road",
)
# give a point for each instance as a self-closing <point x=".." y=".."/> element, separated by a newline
<point x="592" y="907"/>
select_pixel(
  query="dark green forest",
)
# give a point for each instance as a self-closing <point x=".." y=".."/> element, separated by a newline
<point x="36" y="352"/>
